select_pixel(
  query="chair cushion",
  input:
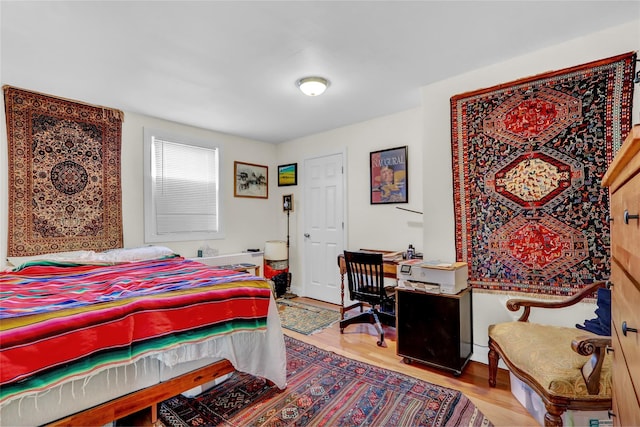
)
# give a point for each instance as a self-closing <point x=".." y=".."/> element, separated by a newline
<point x="544" y="352"/>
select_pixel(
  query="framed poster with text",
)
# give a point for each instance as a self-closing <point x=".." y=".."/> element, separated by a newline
<point x="388" y="176"/>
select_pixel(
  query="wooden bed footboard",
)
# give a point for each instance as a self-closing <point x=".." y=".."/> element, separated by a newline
<point x="147" y="397"/>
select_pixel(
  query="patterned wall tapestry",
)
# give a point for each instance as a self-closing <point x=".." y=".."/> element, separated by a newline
<point x="528" y="158"/>
<point x="64" y="174"/>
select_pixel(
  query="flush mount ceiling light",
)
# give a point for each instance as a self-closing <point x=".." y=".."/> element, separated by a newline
<point x="313" y="86"/>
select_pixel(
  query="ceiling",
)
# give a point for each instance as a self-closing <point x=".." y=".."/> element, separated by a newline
<point x="231" y="66"/>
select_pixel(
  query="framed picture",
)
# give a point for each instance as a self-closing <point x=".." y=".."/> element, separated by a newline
<point x="250" y="180"/>
<point x="288" y="175"/>
<point x="287" y="202"/>
<point x="389" y="178"/>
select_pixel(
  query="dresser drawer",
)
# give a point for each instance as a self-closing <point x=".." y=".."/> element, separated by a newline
<point x="625" y="237"/>
<point x="625" y="402"/>
<point x="615" y="409"/>
<point x="625" y="300"/>
<point x="623" y="180"/>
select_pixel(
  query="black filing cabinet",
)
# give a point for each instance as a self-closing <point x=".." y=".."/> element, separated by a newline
<point x="435" y="329"/>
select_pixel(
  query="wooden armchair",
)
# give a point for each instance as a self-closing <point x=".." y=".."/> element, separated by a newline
<point x="567" y="367"/>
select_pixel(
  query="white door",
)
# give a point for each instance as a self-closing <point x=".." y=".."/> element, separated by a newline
<point x="324" y="226"/>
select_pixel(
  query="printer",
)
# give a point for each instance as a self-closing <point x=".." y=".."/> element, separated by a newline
<point x="433" y="276"/>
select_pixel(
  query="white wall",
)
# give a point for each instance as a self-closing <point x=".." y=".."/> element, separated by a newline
<point x="248" y="223"/>
<point x="439" y="234"/>
<point x="251" y="222"/>
<point x="366" y="225"/>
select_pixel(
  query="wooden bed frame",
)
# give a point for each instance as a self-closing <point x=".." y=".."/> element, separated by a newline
<point x="111" y="404"/>
<point x="146" y="398"/>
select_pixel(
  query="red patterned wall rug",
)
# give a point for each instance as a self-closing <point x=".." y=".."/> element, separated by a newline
<point x="528" y="158"/>
<point x="64" y="174"/>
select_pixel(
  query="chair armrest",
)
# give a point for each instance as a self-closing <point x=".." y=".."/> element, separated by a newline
<point x="516" y="304"/>
<point x="587" y="345"/>
<point x="591" y="370"/>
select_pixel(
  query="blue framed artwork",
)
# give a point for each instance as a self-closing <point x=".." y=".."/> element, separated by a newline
<point x="288" y="175"/>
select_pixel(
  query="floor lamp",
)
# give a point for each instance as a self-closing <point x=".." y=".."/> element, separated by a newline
<point x="287" y="206"/>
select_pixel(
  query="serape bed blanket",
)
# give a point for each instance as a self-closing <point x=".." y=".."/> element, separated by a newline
<point x="62" y="321"/>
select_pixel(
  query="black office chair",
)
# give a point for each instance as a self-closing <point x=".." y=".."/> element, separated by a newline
<point x="366" y="285"/>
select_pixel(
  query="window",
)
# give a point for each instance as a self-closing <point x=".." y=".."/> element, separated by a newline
<point x="181" y="188"/>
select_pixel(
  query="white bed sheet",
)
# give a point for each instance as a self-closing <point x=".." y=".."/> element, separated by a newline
<point x="262" y="354"/>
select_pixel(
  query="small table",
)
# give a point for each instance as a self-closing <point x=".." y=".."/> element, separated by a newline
<point x="435" y="329"/>
<point x="389" y="269"/>
<point x="244" y="267"/>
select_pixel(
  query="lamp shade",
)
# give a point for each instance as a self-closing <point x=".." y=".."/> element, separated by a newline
<point x="275" y="250"/>
<point x="313" y="86"/>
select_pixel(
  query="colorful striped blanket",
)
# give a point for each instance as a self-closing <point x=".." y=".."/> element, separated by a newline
<point x="62" y="321"/>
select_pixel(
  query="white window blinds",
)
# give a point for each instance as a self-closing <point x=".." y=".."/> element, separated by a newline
<point x="184" y="184"/>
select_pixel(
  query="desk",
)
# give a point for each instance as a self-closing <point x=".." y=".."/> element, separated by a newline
<point x="389" y="269"/>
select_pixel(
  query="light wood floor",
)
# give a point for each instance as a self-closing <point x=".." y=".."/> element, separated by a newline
<point x="359" y="342"/>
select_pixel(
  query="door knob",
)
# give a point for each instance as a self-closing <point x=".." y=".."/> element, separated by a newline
<point x="626" y="329"/>
<point x="627" y="216"/>
<point x="307" y="235"/>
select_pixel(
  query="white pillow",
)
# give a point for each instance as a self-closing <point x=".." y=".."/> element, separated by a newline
<point x="112" y="256"/>
<point x="142" y="253"/>
<point x="59" y="256"/>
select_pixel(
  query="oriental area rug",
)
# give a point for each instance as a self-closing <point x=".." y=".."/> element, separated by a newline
<point x="305" y="318"/>
<point x="528" y="160"/>
<point x="64" y="174"/>
<point x="324" y="389"/>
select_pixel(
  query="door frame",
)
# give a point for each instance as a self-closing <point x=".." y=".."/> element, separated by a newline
<point x="305" y="267"/>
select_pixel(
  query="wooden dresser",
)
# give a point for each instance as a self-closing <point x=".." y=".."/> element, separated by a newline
<point x="623" y="180"/>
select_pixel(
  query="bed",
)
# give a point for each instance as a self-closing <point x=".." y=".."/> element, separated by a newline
<point x="88" y="338"/>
